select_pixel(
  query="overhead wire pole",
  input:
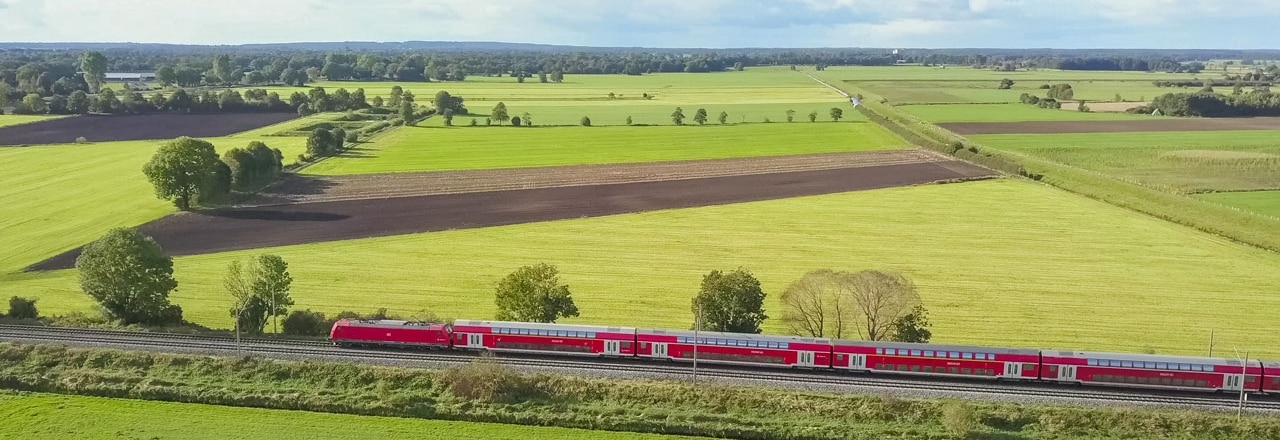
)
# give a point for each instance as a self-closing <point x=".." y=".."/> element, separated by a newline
<point x="697" y="325"/>
<point x="1243" y="380"/>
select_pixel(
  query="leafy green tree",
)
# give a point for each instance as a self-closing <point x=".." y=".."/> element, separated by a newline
<point x="22" y="308"/>
<point x="723" y="118"/>
<point x="813" y="116"/>
<point x="105" y="102"/>
<point x="320" y="143"/>
<point x="557" y="76"/>
<point x="700" y="116"/>
<point x="1006" y="84"/>
<point x="628" y="119"/>
<point x="534" y="294"/>
<point x="306" y="323"/>
<point x="222" y="68"/>
<point x="394" y="98"/>
<point x="677" y="116"/>
<point x="836" y="114"/>
<point x="166" y="76"/>
<point x="376" y="101"/>
<point x="913" y="327"/>
<point x="182" y="170"/>
<point x="445" y="101"/>
<point x="515" y="122"/>
<point x="791" y="115"/>
<point x="128" y="274"/>
<point x="78" y="103"/>
<point x="406" y="113"/>
<point x="586" y="121"/>
<point x="448" y="117"/>
<point x="260" y="289"/>
<point x="730" y="302"/>
<point x="34" y="104"/>
<point x="499" y="114"/>
<point x="94" y="65"/>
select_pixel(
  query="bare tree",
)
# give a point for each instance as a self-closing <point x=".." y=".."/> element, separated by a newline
<point x="881" y="297"/>
<point x="820" y="304"/>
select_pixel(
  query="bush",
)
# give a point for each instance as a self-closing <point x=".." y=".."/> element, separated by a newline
<point x="82" y="140"/>
<point x="306" y="323"/>
<point x="959" y="419"/>
<point x="353" y="137"/>
<point x="586" y="121"/>
<point x="486" y="380"/>
<point x="22" y="308"/>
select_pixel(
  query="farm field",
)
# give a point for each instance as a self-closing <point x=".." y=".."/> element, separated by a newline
<point x="1181" y="161"/>
<point x="1262" y="202"/>
<point x="970" y="247"/>
<point x="1222" y="125"/>
<point x="45" y="416"/>
<point x="7" y="120"/>
<point x="137" y="127"/>
<point x="58" y="197"/>
<point x="615" y="113"/>
<point x="461" y="148"/>
<point x="1019" y="112"/>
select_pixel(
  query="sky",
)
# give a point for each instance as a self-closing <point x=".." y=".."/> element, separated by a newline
<point x="1155" y="24"/>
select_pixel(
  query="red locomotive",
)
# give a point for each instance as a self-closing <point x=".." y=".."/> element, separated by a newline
<point x="794" y="352"/>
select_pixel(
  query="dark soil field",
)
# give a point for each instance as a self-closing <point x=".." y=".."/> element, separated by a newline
<point x="1046" y="127"/>
<point x="265" y="226"/>
<point x="98" y="128"/>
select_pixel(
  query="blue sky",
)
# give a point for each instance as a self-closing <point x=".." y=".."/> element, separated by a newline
<point x="1225" y="24"/>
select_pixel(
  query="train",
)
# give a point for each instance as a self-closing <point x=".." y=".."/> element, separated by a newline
<point x="1062" y="367"/>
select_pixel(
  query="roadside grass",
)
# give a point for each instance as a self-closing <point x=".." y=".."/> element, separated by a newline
<point x="944" y="113"/>
<point x="458" y="148"/>
<point x="7" y="120"/>
<point x="603" y="113"/>
<point x="43" y="416"/>
<point x="58" y="197"/>
<point x="1173" y="161"/>
<point x="1005" y="263"/>
<point x="1262" y="202"/>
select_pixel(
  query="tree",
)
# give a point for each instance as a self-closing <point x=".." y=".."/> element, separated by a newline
<point x="515" y="122"/>
<point x="34" y="104"/>
<point x="128" y="274"/>
<point x="166" y="76"/>
<point x="260" y="289"/>
<point x="724" y="117"/>
<point x="586" y="121"/>
<point x="222" y="68"/>
<point x="730" y="302"/>
<point x="22" y="308"/>
<point x="791" y="115"/>
<point x="499" y="114"/>
<point x="445" y="101"/>
<point x="4" y="95"/>
<point x="836" y="114"/>
<point x="320" y="143"/>
<point x="396" y="93"/>
<point x="534" y="294"/>
<point x="94" y="65"/>
<point x="881" y="298"/>
<point x="406" y="113"/>
<point x="913" y="327"/>
<point x="78" y="103"/>
<point x="813" y="116"/>
<point x="677" y="116"/>
<point x="306" y="323"/>
<point x="182" y="170"/>
<point x="700" y="116"/>
<point x="448" y="117"/>
<point x="628" y="119"/>
<point x="1005" y="84"/>
<point x="819" y="304"/>
<point x="376" y="101"/>
<point x="105" y="102"/>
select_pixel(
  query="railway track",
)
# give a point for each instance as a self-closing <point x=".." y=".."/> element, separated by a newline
<point x="866" y="382"/>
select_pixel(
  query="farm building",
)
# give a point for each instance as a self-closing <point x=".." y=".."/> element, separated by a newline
<point x="130" y="76"/>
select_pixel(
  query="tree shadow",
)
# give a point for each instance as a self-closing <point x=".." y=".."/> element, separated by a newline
<point x="274" y="215"/>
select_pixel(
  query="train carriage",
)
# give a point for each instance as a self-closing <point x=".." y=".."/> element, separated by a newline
<point x="734" y="348"/>
<point x="1152" y="371"/>
<point x="936" y="360"/>
<point x="1271" y="377"/>
<point x="390" y="333"/>
<point x="524" y="337"/>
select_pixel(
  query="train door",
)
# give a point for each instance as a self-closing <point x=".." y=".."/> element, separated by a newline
<point x="660" y="349"/>
<point x="1067" y="372"/>
<point x="805" y="359"/>
<point x="1013" y="369"/>
<point x="612" y="348"/>
<point x="1233" y="382"/>
<point x="858" y="362"/>
<point x="474" y="340"/>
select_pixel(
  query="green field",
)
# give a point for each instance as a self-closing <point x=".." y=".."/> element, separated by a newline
<point x="998" y="262"/>
<point x="963" y="73"/>
<point x="1178" y="161"/>
<point x="58" y="197"/>
<point x="7" y="120"/>
<point x="57" y="417"/>
<point x="944" y="113"/>
<point x="1262" y="202"/>
<point x="428" y="148"/>
<point x="650" y="113"/>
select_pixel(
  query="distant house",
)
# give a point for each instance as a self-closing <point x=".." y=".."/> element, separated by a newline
<point x="131" y="76"/>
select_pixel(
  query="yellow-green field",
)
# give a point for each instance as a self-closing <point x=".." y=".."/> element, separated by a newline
<point x="998" y="262"/>
<point x="58" y="417"/>
<point x="7" y="120"/>
<point x="457" y="148"/>
<point x="1262" y="202"/>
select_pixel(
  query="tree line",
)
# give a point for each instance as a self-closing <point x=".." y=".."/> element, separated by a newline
<point x="1209" y="104"/>
<point x="188" y="171"/>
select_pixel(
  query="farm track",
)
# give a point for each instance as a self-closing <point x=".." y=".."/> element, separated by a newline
<point x="292" y="349"/>
<point x="310" y="189"/>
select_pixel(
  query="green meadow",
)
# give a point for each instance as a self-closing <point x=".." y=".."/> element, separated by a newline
<point x="7" y="120"/>
<point x="1019" y="112"/>
<point x="46" y="416"/>
<point x="460" y="148"/>
<point x="1001" y="262"/>
<point x="1262" y="202"/>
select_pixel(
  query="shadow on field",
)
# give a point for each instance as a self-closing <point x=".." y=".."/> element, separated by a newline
<point x="273" y="215"/>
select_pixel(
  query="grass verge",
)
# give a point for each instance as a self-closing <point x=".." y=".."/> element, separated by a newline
<point x="582" y="403"/>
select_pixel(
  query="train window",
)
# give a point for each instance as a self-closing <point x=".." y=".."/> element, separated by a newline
<point x="915" y="352"/>
<point x="626" y="344"/>
<point x="1093" y="362"/>
<point x="1177" y="382"/>
<point x="839" y="357"/>
<point x="967" y="355"/>
<point x="1162" y="366"/>
<point x="928" y="353"/>
<point x="879" y="351"/>
<point x="952" y="370"/>
<point x="966" y="371"/>
<point x="1202" y="384"/>
<point x="1126" y="364"/>
<point x="644" y="345"/>
<point x="953" y="354"/>
<point x="915" y="368"/>
<point x="1184" y="367"/>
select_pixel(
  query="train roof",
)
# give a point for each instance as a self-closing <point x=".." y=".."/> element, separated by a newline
<point x="735" y="336"/>
<point x="389" y="323"/>
<point x="541" y="326"/>
<point x="1145" y="357"/>
<point x="935" y="347"/>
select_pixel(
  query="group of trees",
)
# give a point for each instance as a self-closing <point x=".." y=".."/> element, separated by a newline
<point x="259" y="288"/>
<point x="188" y="171"/>
<point x="1215" y="105"/>
<point x="1061" y="92"/>
<point x="22" y="308"/>
<point x="872" y="305"/>
<point x="325" y="142"/>
<point x="1048" y="103"/>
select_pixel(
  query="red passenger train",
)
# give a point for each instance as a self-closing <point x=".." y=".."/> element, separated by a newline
<point x="776" y="351"/>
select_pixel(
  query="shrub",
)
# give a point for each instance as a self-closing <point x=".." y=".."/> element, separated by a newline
<point x="81" y="140"/>
<point x="586" y="121"/>
<point x="353" y="137"/>
<point x="306" y="323"/>
<point x="486" y="380"/>
<point x="474" y="122"/>
<point x="959" y="419"/>
<point x="22" y="308"/>
<point x="628" y="119"/>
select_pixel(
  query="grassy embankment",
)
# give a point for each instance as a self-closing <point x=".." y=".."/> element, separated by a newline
<point x="970" y="247"/>
<point x="491" y="393"/>
<point x="7" y="120"/>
